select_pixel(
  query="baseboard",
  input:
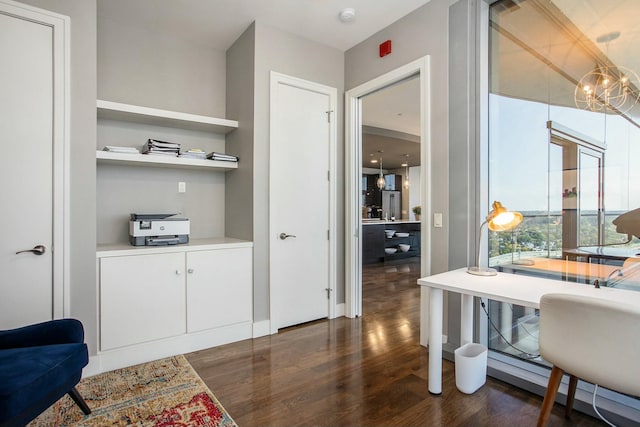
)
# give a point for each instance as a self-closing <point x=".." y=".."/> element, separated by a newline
<point x="140" y="353"/>
<point x="261" y="328"/>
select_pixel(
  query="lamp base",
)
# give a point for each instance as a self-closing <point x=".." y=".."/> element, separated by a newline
<point x="481" y="271"/>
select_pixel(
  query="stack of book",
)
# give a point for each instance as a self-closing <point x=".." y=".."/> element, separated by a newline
<point x="193" y="153"/>
<point x="163" y="148"/>
<point x="222" y="157"/>
<point x="125" y="150"/>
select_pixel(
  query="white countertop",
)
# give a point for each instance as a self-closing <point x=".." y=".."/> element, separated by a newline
<point x="383" y="222"/>
<point x="124" y="249"/>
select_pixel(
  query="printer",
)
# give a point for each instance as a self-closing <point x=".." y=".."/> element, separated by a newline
<point x="157" y="230"/>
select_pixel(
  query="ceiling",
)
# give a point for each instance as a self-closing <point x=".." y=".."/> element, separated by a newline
<point x="391" y="119"/>
<point x="218" y="23"/>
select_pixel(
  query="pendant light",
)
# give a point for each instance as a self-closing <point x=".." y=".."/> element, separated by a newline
<point x="381" y="183"/>
<point x="406" y="173"/>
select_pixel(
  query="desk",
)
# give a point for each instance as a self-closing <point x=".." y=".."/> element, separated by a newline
<point x="509" y="288"/>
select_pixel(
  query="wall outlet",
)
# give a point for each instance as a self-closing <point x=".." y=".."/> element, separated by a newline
<point x="182" y="187"/>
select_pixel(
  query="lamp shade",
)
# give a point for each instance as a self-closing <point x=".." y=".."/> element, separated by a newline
<point x="499" y="219"/>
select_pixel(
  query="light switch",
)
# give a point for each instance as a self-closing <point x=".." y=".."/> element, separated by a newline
<point x="437" y="220"/>
<point x="182" y="187"/>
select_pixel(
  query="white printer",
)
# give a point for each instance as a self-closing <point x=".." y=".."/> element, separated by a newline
<point x="157" y="230"/>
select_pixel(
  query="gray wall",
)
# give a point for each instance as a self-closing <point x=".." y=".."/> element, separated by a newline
<point x="158" y="70"/>
<point x="288" y="54"/>
<point x="82" y="165"/>
<point x="240" y="105"/>
<point x="422" y="32"/>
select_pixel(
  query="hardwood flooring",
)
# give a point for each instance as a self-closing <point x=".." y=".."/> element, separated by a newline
<point x="369" y="371"/>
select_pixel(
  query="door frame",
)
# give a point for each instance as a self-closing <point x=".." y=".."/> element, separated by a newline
<point x="353" y="173"/>
<point x="277" y="79"/>
<point x="60" y="26"/>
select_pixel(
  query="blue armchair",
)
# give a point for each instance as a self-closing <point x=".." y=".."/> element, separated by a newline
<point x="38" y="365"/>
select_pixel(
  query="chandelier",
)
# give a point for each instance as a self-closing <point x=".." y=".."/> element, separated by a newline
<point x="608" y="88"/>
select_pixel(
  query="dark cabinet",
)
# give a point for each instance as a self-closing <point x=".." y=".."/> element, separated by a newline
<point x="372" y="244"/>
<point x="374" y="241"/>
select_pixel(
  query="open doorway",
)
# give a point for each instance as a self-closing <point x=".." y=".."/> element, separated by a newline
<point x="390" y="202"/>
<point x="416" y="72"/>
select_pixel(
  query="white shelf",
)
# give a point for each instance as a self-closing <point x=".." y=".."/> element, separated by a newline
<point x="153" y="116"/>
<point x="162" y="161"/>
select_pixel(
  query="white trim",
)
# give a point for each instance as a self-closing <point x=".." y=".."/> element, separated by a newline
<point x="353" y="162"/>
<point x="261" y="328"/>
<point x="60" y="26"/>
<point x="186" y="343"/>
<point x="332" y="93"/>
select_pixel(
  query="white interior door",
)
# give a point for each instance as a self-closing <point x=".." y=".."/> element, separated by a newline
<point x="301" y="131"/>
<point x="27" y="135"/>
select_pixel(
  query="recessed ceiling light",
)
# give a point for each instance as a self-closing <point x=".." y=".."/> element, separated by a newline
<point x="374" y="161"/>
<point x="348" y="14"/>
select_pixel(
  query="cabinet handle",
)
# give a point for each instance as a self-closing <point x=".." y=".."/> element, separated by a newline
<point x="190" y="271"/>
<point x="178" y="272"/>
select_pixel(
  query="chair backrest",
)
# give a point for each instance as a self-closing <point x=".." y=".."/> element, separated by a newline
<point x="595" y="340"/>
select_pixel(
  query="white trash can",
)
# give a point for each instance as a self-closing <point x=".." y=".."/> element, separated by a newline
<point x="471" y="367"/>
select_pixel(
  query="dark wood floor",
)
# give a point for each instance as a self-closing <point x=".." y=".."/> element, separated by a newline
<point x="369" y="371"/>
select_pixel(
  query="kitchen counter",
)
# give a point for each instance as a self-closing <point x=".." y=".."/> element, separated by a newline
<point x="382" y="221"/>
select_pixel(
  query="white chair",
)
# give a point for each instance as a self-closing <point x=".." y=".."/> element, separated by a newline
<point x="590" y="339"/>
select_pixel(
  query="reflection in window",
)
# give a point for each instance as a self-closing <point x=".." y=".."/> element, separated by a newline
<point x="569" y="170"/>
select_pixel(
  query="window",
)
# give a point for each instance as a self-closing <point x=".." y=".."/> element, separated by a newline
<point x="564" y="157"/>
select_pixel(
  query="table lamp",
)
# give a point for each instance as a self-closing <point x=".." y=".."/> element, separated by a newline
<point x="499" y="219"/>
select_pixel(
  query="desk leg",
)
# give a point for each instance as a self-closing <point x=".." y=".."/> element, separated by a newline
<point x="466" y="319"/>
<point x="435" y="341"/>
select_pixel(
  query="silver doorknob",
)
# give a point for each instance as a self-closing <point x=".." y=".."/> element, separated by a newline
<point x="285" y="235"/>
<point x="37" y="250"/>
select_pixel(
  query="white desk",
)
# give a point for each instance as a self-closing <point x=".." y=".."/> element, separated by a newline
<point x="510" y="288"/>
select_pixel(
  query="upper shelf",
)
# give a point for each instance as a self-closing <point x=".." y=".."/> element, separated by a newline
<point x="153" y="116"/>
<point x="162" y="161"/>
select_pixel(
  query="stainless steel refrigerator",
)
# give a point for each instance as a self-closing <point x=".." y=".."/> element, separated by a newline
<point x="391" y="204"/>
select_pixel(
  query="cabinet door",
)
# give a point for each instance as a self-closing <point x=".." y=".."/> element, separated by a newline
<point x="219" y="288"/>
<point x="142" y="298"/>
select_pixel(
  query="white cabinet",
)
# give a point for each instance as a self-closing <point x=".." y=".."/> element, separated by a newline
<point x="161" y="301"/>
<point x="219" y="288"/>
<point x="142" y="298"/>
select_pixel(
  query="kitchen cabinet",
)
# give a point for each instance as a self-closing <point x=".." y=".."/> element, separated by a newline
<point x="372" y="244"/>
<point x="374" y="241"/>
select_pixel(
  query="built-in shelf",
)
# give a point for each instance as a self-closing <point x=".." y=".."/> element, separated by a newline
<point x="162" y="161"/>
<point x="153" y="116"/>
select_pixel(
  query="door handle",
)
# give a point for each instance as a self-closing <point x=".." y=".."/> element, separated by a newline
<point x="285" y="235"/>
<point x="37" y="250"/>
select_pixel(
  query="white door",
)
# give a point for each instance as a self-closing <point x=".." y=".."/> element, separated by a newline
<point x="27" y="84"/>
<point x="302" y="126"/>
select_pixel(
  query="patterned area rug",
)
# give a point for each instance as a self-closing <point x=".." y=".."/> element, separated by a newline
<point x="164" y="393"/>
